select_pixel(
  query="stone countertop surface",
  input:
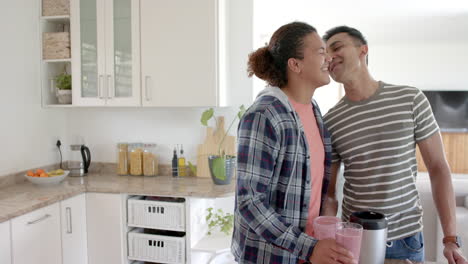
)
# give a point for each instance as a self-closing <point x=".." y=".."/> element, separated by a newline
<point x="24" y="197"/>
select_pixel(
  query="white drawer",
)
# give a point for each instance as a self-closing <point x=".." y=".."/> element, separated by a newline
<point x="156" y="247"/>
<point x="164" y="213"/>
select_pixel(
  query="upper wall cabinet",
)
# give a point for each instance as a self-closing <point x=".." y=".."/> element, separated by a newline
<point x="188" y="52"/>
<point x="105" y="53"/>
<point x="179" y="52"/>
<point x="163" y="53"/>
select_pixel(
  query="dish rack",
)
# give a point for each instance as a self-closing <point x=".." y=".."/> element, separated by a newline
<point x="158" y="233"/>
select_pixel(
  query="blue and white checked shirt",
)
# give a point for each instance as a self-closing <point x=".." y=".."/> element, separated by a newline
<point x="273" y="182"/>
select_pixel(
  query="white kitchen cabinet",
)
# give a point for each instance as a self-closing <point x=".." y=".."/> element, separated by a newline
<point x="36" y="237"/>
<point x="190" y="52"/>
<point x="105" y="53"/>
<point x="5" y="243"/>
<point x="179" y="52"/>
<point x="104" y="225"/>
<point x="74" y="237"/>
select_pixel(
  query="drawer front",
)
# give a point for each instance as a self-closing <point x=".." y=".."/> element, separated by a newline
<point x="157" y="248"/>
<point x="156" y="214"/>
<point x="37" y="233"/>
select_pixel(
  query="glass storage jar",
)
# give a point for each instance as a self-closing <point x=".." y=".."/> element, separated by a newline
<point x="122" y="159"/>
<point x="136" y="159"/>
<point x="150" y="160"/>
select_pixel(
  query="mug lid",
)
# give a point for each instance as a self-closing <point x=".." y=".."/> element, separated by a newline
<point x="369" y="220"/>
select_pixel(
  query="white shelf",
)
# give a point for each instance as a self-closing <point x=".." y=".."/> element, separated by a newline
<point x="58" y="106"/>
<point x="58" y="19"/>
<point x="215" y="243"/>
<point x="56" y="60"/>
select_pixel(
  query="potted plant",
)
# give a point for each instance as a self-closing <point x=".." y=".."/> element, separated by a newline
<point x="221" y="166"/>
<point x="219" y="221"/>
<point x="64" y="85"/>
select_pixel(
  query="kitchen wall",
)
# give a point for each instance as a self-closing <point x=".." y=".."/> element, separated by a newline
<point x="28" y="132"/>
<point x="102" y="128"/>
<point x="428" y="66"/>
<point x="421" y="43"/>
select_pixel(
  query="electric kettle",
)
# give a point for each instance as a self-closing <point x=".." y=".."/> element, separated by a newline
<point x="374" y="236"/>
<point x="80" y="159"/>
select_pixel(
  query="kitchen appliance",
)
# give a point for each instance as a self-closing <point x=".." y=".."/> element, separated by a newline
<point x="80" y="159"/>
<point x="374" y="236"/>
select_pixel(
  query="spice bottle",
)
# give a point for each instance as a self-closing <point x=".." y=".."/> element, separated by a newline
<point x="181" y="162"/>
<point x="175" y="164"/>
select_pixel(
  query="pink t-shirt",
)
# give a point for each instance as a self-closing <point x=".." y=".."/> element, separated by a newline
<point x="317" y="159"/>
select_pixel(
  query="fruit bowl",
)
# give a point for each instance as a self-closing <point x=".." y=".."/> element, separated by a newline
<point x="47" y="180"/>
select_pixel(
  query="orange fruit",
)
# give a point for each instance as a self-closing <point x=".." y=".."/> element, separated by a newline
<point x="44" y="175"/>
<point x="30" y="173"/>
<point x="40" y="171"/>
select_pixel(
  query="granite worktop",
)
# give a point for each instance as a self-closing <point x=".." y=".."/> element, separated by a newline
<point x="23" y="197"/>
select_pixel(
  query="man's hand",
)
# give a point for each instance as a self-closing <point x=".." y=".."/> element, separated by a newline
<point x="327" y="251"/>
<point x="453" y="254"/>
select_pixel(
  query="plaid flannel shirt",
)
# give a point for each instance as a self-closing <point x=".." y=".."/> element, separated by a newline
<point x="273" y="193"/>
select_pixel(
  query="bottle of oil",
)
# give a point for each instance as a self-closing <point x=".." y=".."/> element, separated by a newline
<point x="181" y="164"/>
<point x="174" y="164"/>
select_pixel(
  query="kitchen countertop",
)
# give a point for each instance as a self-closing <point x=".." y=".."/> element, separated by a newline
<point x="24" y="197"/>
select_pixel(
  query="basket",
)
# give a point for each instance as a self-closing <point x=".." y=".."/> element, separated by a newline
<point x="56" y="45"/>
<point x="55" y="7"/>
<point x="156" y="248"/>
<point x="166" y="215"/>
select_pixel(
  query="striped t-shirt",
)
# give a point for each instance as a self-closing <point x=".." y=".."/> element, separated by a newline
<point x="376" y="140"/>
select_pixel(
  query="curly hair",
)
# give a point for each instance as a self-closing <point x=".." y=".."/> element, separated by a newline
<point x="269" y="63"/>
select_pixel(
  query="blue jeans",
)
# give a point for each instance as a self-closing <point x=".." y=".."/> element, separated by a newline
<point x="411" y="248"/>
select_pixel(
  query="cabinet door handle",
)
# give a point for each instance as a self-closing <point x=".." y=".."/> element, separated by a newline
<point x="110" y="87"/>
<point x="100" y="87"/>
<point x="147" y="93"/>
<point x="69" y="220"/>
<point x="39" y="219"/>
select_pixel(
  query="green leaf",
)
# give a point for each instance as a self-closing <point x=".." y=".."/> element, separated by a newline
<point x="241" y="111"/>
<point x="192" y="167"/>
<point x="63" y="81"/>
<point x="207" y="115"/>
<point x="219" y="170"/>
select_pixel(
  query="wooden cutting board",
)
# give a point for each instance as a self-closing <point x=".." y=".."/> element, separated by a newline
<point x="210" y="146"/>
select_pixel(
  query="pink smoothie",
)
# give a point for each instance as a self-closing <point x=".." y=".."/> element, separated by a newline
<point x="325" y="227"/>
<point x="350" y="238"/>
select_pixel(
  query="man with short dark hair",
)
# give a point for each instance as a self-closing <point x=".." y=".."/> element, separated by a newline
<point x="374" y="129"/>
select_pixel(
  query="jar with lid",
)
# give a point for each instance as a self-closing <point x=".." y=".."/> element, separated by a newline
<point x="122" y="159"/>
<point x="136" y="159"/>
<point x="150" y="160"/>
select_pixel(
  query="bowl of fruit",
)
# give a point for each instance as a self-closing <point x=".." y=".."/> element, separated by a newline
<point x="41" y="177"/>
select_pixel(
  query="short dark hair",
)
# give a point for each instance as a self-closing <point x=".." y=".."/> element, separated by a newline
<point x="269" y="63"/>
<point x="354" y="33"/>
